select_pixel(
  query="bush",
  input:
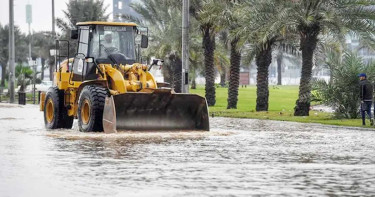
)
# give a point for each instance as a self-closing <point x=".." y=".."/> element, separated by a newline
<point x="38" y="81"/>
<point x="342" y="92"/>
<point x="24" y="74"/>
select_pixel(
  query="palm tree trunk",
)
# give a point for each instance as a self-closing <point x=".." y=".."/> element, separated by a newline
<point x="234" y="76"/>
<point x="263" y="61"/>
<point x="209" y="49"/>
<point x="193" y="77"/>
<point x="51" y="63"/>
<point x="309" y="39"/>
<point x="177" y="65"/>
<point x="3" y="74"/>
<point x="193" y="84"/>
<point x="223" y="75"/>
<point x="42" y="70"/>
<point x="167" y="72"/>
<point x="279" y="62"/>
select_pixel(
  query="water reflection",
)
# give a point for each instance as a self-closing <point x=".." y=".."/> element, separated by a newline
<point x="238" y="157"/>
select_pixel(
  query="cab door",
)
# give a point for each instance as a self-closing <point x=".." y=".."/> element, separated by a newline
<point x="79" y="63"/>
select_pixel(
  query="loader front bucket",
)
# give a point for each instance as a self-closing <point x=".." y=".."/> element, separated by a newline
<point x="155" y="111"/>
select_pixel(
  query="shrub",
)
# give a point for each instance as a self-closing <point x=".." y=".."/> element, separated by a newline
<point x="342" y="92"/>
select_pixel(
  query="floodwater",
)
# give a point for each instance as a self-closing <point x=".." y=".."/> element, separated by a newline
<point x="238" y="157"/>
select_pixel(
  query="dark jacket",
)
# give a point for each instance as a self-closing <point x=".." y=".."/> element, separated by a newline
<point x="366" y="90"/>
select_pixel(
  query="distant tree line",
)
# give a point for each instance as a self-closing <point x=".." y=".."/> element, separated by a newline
<point x="226" y="32"/>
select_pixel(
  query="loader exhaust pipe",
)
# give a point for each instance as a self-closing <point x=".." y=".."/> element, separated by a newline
<point x="155" y="111"/>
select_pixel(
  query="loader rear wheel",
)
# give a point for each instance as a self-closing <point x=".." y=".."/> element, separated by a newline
<point x="55" y="113"/>
<point x="90" y="108"/>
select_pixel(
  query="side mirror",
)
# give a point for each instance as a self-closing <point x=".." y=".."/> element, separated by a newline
<point x="74" y="34"/>
<point x="144" y="41"/>
<point x="89" y="59"/>
<point x="156" y="62"/>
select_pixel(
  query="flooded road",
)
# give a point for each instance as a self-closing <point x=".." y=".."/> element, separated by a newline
<point x="238" y="157"/>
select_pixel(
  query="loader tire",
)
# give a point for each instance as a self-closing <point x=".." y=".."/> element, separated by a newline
<point x="90" y="108"/>
<point x="55" y="113"/>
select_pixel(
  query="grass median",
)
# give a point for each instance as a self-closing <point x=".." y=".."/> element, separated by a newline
<point x="281" y="106"/>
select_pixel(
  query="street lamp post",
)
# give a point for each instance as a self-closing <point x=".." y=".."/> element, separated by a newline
<point x="31" y="62"/>
<point x="11" y="52"/>
<point x="53" y="18"/>
<point x="185" y="47"/>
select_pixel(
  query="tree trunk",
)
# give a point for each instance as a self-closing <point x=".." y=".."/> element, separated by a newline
<point x="234" y="76"/>
<point x="3" y="74"/>
<point x="167" y="72"/>
<point x="177" y="72"/>
<point x="193" y="84"/>
<point x="263" y="61"/>
<point x="193" y="77"/>
<point x="209" y="49"/>
<point x="42" y="70"/>
<point x="309" y="39"/>
<point x="51" y="63"/>
<point x="279" y="68"/>
<point x="223" y="76"/>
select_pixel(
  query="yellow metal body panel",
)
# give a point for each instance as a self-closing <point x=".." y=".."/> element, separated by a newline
<point x="70" y="98"/>
<point x="130" y="78"/>
<point x="122" y="79"/>
<point x="119" y="81"/>
<point x="106" y="23"/>
<point x="116" y="79"/>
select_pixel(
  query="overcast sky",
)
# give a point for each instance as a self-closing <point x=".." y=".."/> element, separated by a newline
<point x="41" y="13"/>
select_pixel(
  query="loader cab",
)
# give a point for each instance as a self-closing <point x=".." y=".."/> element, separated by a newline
<point x="105" y="42"/>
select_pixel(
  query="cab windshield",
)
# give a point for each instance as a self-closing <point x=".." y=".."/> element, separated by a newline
<point x="109" y="40"/>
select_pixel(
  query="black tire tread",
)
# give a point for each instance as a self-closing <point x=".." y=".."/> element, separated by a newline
<point x="61" y="114"/>
<point x="97" y="95"/>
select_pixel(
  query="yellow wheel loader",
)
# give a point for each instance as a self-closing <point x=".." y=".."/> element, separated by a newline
<point x="106" y="87"/>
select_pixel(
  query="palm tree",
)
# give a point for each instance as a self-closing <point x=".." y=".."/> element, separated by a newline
<point x="42" y="43"/>
<point x="162" y="21"/>
<point x="342" y="93"/>
<point x="311" y="18"/>
<point x="279" y="60"/>
<point x="196" y="55"/>
<point x="234" y="76"/>
<point x="207" y="14"/>
<point x="262" y="29"/>
<point x="285" y="49"/>
<point x="80" y="11"/>
<point x="24" y="74"/>
<point x="221" y="62"/>
<point x="230" y="22"/>
<point x="21" y="48"/>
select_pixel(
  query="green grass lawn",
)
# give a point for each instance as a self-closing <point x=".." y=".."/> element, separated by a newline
<point x="281" y="106"/>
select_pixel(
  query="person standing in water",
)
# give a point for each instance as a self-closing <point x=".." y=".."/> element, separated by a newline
<point x="366" y="92"/>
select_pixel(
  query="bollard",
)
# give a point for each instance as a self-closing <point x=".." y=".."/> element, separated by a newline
<point x="22" y="98"/>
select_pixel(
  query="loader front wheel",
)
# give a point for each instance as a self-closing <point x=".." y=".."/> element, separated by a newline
<point x="90" y="108"/>
<point x="55" y="113"/>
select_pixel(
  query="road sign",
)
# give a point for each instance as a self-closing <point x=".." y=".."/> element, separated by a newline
<point x="29" y="17"/>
